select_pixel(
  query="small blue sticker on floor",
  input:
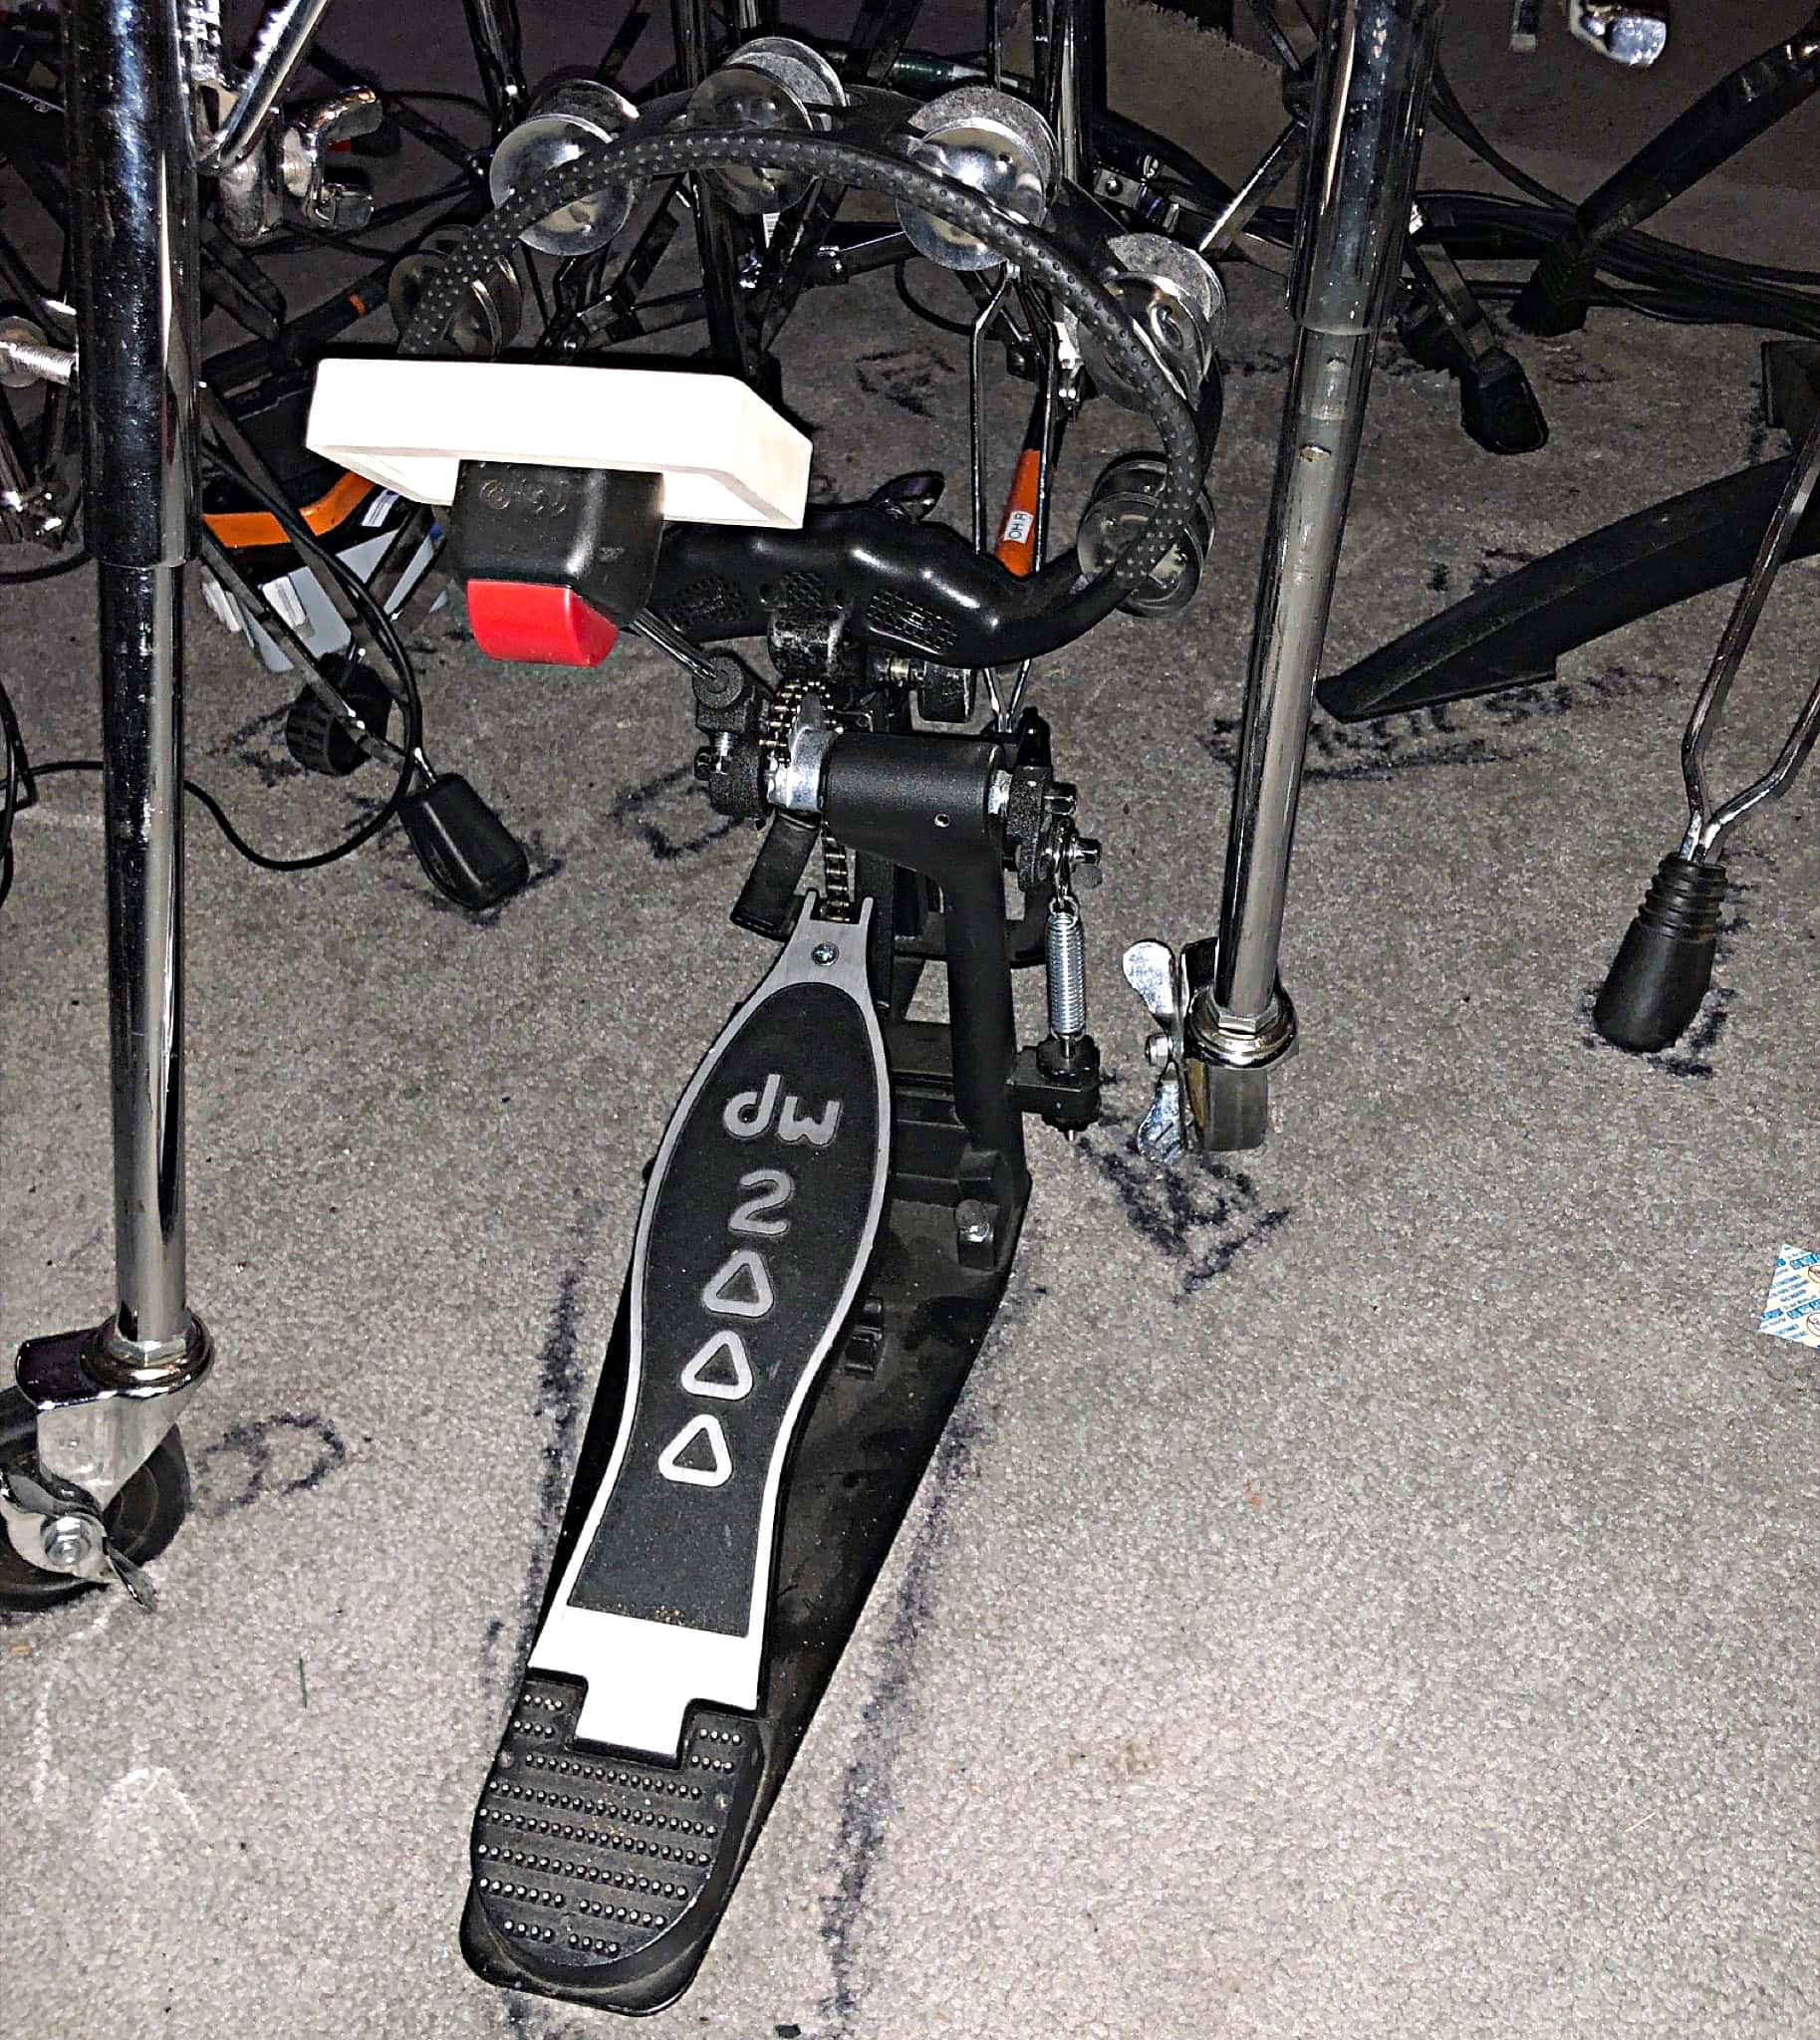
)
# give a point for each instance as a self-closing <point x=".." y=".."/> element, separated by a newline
<point x="1793" y="1308"/>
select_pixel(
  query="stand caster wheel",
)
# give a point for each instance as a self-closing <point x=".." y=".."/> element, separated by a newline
<point x="313" y="736"/>
<point x="142" y="1519"/>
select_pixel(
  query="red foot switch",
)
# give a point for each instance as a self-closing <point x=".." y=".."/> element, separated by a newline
<point x="527" y="620"/>
<point x="554" y="558"/>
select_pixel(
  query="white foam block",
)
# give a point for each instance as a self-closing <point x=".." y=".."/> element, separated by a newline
<point x="727" y="457"/>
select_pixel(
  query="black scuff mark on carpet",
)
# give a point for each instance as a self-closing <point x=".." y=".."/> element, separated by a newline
<point x="1199" y="1215"/>
<point x="868" y="1794"/>
<point x="558" y="1414"/>
<point x="1448" y="733"/>
<point x="534" y="2019"/>
<point x="531" y="2018"/>
<point x="1567" y="367"/>
<point x="546" y="864"/>
<point x="266" y="1457"/>
<point x="259" y="745"/>
<point x="907" y="376"/>
<point x="669" y="816"/>
<point x="1262" y="359"/>
<point x="1495" y="561"/>
<point x="1346" y="752"/>
<point x="1757" y="428"/>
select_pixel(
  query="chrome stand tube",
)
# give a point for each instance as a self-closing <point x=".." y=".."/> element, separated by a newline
<point x="134" y="228"/>
<point x="1364" y="138"/>
<point x="1314" y="467"/>
<point x="104" y="1396"/>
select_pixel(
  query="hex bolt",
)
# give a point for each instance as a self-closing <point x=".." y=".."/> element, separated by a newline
<point x="26" y="356"/>
<point x="973" y="1222"/>
<point x="66" y="1541"/>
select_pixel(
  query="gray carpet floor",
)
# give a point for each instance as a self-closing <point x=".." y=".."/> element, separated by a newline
<point x="1370" y="1590"/>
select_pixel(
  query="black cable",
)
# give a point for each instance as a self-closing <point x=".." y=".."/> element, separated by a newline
<point x="911" y="303"/>
<point x="391" y="644"/>
<point x="1509" y="229"/>
<point x="326" y="565"/>
<point x="295" y="239"/>
<point x="218" y="815"/>
<point x="26" y="576"/>
<point x="452" y="98"/>
<point x="1672" y="254"/>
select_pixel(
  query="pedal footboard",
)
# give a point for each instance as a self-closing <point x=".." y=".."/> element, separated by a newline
<point x="789" y="1345"/>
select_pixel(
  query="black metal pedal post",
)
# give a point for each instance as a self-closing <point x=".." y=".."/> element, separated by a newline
<point x="925" y="803"/>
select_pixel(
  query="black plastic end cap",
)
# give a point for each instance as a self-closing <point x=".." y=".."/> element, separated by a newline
<point x="1499" y="409"/>
<point x="1664" y="966"/>
<point x="1558" y="294"/>
<point x="767" y="900"/>
<point x="465" y="850"/>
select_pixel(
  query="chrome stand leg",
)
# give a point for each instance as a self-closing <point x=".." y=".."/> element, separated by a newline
<point x="1371" y="92"/>
<point x="143" y="751"/>
<point x="106" y="1397"/>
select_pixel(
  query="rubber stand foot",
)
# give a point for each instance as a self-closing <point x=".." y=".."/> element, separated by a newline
<point x="1664" y="963"/>
<point x="1555" y="298"/>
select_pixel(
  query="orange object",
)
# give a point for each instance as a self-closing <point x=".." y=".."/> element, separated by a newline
<point x="1016" y="547"/>
<point x="238" y="530"/>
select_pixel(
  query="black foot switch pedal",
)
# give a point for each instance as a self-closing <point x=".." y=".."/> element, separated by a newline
<point x="736" y="1496"/>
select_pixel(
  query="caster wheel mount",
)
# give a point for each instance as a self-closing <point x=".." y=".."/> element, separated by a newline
<point x="142" y="1519"/>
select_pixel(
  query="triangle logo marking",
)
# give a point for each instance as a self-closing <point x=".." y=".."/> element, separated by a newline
<point x="720" y="1369"/>
<point x="698" y="1456"/>
<point x="742" y="1289"/>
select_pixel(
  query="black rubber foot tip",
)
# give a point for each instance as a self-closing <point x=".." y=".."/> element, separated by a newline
<point x="1665" y="962"/>
<point x="1556" y="297"/>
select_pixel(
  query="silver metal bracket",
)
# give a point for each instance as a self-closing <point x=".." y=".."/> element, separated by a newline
<point x="102" y="1410"/>
<point x="1157" y="975"/>
<point x="56" y="1526"/>
<point x="286" y="178"/>
<point x="1633" y="33"/>
<point x="1212" y="1072"/>
<point x="1228" y="1068"/>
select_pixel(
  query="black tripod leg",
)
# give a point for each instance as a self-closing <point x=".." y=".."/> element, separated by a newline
<point x="1510" y="633"/>
<point x="1743" y="104"/>
<point x="1446" y="326"/>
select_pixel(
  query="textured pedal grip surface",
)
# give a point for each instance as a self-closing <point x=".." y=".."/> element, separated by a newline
<point x="598" y="1872"/>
